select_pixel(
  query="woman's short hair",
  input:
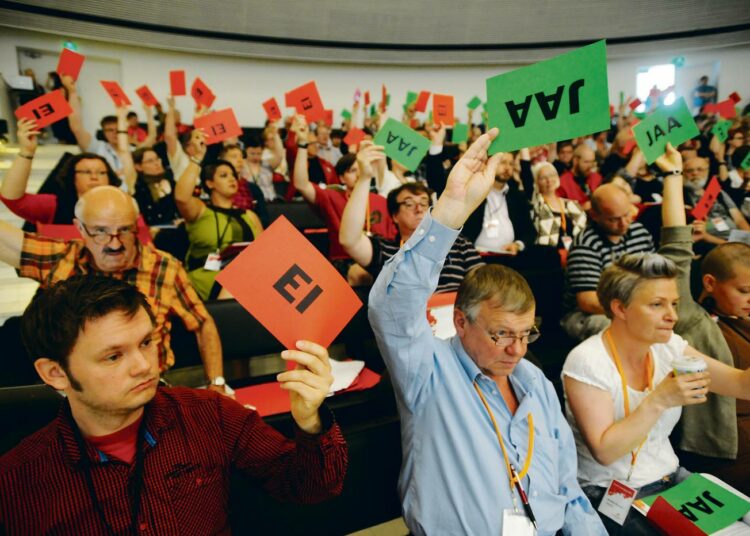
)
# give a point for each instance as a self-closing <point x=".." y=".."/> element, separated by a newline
<point x="507" y="289"/>
<point x="722" y="261"/>
<point x="209" y="170"/>
<point x="621" y="279"/>
<point x="538" y="168"/>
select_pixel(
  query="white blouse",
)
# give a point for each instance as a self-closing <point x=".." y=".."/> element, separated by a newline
<point x="590" y="363"/>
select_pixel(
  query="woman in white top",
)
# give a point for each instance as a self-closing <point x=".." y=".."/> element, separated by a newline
<point x="626" y="438"/>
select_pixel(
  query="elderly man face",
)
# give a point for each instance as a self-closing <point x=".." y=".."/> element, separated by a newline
<point x="695" y="171"/>
<point x="612" y="210"/>
<point x="106" y="218"/>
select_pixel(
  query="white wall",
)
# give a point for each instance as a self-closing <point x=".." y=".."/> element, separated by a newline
<point x="244" y="83"/>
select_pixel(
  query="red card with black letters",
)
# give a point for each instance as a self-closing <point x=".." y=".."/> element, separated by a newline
<point x="292" y="290"/>
<point x="421" y="104"/>
<point x="272" y="109"/>
<point x="115" y="92"/>
<point x="218" y="125"/>
<point x="442" y="110"/>
<point x="177" y="83"/>
<point x="146" y="96"/>
<point x="70" y="63"/>
<point x="45" y="110"/>
<point x="202" y="93"/>
<point x="702" y="208"/>
<point x="306" y="100"/>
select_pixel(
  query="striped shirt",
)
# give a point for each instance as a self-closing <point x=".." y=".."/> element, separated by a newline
<point x="193" y="441"/>
<point x="461" y="258"/>
<point x="158" y="275"/>
<point x="592" y="252"/>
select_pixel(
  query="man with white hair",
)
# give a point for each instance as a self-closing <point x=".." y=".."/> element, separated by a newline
<point x="106" y="217"/>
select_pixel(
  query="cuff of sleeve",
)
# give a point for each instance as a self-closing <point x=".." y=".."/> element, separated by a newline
<point x="436" y="149"/>
<point x="431" y="239"/>
<point x="520" y="244"/>
<point x="327" y="421"/>
<point x="681" y="233"/>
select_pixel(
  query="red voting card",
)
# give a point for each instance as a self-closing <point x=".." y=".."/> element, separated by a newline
<point x="202" y="93"/>
<point x="115" y="92"/>
<point x="306" y="100"/>
<point x="45" y="110"/>
<point x="272" y="109"/>
<point x="709" y="108"/>
<point x="354" y="136"/>
<point x="218" y="125"/>
<point x="292" y="290"/>
<point x="70" y="63"/>
<point x="710" y="196"/>
<point x="735" y="97"/>
<point x="670" y="521"/>
<point x="146" y="96"/>
<point x="442" y="109"/>
<point x="367" y="99"/>
<point x="328" y="119"/>
<point x="421" y="104"/>
<point x="726" y="109"/>
<point x="177" y="83"/>
<point x="635" y="103"/>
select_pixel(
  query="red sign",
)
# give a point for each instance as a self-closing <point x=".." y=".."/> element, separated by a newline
<point x="710" y="196"/>
<point x="115" y="92"/>
<point x="201" y="93"/>
<point x="635" y="103"/>
<point x="272" y="109"/>
<point x="421" y="104"/>
<point x="177" y="83"/>
<point x="367" y="99"/>
<point x="70" y="63"/>
<point x="146" y="96"/>
<point x="294" y="291"/>
<point x="442" y="110"/>
<point x="45" y="110"/>
<point x="354" y="136"/>
<point x="306" y="100"/>
<point x="735" y="97"/>
<point x="328" y="119"/>
<point x="218" y="125"/>
<point x="726" y="109"/>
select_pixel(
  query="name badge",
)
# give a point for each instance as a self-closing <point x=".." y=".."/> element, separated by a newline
<point x="720" y="225"/>
<point x="213" y="262"/>
<point x="517" y="524"/>
<point x="616" y="501"/>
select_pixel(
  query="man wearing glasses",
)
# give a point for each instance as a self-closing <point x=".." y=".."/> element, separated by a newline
<point x="486" y="447"/>
<point x="106" y="217"/>
<point x="407" y="206"/>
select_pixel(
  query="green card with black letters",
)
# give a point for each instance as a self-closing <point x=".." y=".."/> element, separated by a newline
<point x="552" y="100"/>
<point x="673" y="124"/>
<point x="403" y="144"/>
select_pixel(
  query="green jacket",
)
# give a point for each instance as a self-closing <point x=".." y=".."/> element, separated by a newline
<point x="708" y="429"/>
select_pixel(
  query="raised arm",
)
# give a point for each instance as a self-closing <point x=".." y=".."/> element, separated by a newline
<point x="301" y="176"/>
<point x="189" y="206"/>
<point x="123" y="149"/>
<point x="150" y="126"/>
<point x="170" y="129"/>
<point x="673" y="205"/>
<point x="75" y="120"/>
<point x="351" y="237"/>
<point x="17" y="178"/>
<point x="278" y="146"/>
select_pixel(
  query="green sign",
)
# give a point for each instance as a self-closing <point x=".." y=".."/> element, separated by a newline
<point x="372" y="110"/>
<point x="553" y="100"/>
<point x="460" y="133"/>
<point x="411" y="96"/>
<point x="710" y="506"/>
<point x="745" y="164"/>
<point x="474" y="103"/>
<point x="721" y="129"/>
<point x="346" y="114"/>
<point x="672" y="124"/>
<point x="402" y="144"/>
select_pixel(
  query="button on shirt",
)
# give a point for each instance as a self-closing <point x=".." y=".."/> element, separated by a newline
<point x="497" y="229"/>
<point x="453" y="478"/>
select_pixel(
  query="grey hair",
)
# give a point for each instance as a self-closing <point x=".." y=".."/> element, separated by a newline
<point x="81" y="203"/>
<point x="504" y="286"/>
<point x="537" y="169"/>
<point x="621" y="279"/>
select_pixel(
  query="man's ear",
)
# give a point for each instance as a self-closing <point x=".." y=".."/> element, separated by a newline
<point x="709" y="283"/>
<point x="460" y="321"/>
<point x="51" y="373"/>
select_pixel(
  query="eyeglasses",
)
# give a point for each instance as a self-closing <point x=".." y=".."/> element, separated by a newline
<point x="102" y="235"/>
<point x="91" y="173"/>
<point x="503" y="339"/>
<point x="411" y="204"/>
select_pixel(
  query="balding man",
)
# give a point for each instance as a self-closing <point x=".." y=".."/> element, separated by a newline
<point x="581" y="180"/>
<point x="611" y="233"/>
<point x="106" y="218"/>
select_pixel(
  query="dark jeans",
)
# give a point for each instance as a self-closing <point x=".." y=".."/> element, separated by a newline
<point x="636" y="524"/>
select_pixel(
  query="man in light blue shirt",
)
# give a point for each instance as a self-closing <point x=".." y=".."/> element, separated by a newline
<point x="454" y="477"/>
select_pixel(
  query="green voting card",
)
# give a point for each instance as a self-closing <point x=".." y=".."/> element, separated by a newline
<point x="474" y="103"/>
<point x="460" y="133"/>
<point x="673" y="124"/>
<point x="721" y="129"/>
<point x="403" y="144"/>
<point x="411" y="96"/>
<point x="745" y="164"/>
<point x="552" y="100"/>
<point x="346" y="114"/>
<point x="710" y="506"/>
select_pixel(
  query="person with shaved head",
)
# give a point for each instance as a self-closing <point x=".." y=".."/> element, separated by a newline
<point x="106" y="218"/>
<point x="611" y="233"/>
<point x="582" y="179"/>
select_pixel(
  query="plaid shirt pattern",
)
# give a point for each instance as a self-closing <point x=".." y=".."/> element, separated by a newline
<point x="158" y="275"/>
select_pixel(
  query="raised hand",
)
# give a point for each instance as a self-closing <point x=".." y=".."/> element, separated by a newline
<point x="468" y="183"/>
<point x="300" y="127"/>
<point x="308" y="384"/>
<point x="670" y="160"/>
<point x="27" y="136"/>
<point x="198" y="141"/>
<point x="370" y="160"/>
<point x="437" y="134"/>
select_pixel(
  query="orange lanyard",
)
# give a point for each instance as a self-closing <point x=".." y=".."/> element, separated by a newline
<point x="563" y="220"/>
<point x="625" y="396"/>
<point x="513" y="476"/>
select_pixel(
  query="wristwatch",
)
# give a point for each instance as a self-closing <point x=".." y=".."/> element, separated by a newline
<point x="219" y="381"/>
<point x="302" y="144"/>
